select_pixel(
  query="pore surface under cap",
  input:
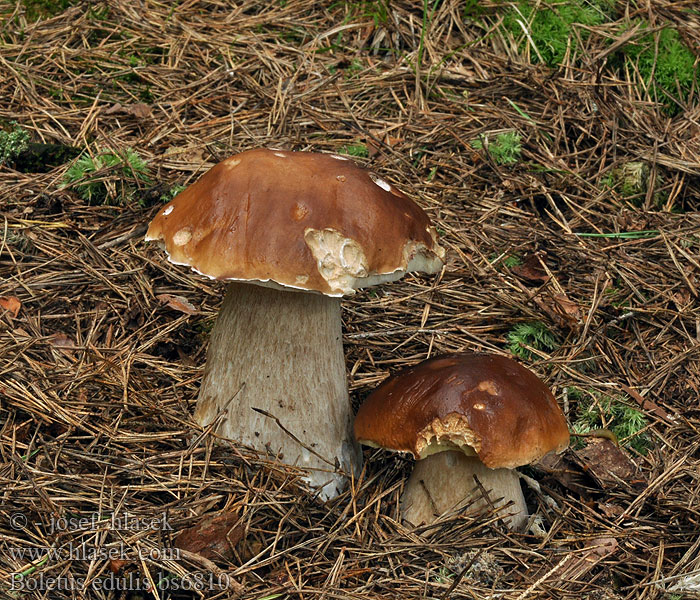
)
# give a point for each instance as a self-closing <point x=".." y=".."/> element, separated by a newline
<point x="300" y="219"/>
<point x="491" y="403"/>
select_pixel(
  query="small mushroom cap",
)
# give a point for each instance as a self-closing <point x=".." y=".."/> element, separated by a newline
<point x="484" y="404"/>
<point x="301" y="220"/>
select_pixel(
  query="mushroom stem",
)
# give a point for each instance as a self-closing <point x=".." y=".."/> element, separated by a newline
<point x="282" y="352"/>
<point x="445" y="481"/>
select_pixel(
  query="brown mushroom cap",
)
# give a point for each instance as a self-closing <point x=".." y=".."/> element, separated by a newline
<point x="480" y="403"/>
<point x="299" y="219"/>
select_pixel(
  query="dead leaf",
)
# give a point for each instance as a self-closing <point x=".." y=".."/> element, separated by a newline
<point x="11" y="304"/>
<point x="458" y="74"/>
<point x="646" y="405"/>
<point x="133" y="318"/>
<point x="682" y="298"/>
<point x="474" y="156"/>
<point x="186" y="153"/>
<point x="185" y="359"/>
<point x="62" y="341"/>
<point x="531" y="269"/>
<point x="138" y="110"/>
<point x="610" y="509"/>
<point x="178" y="303"/>
<point x="251" y="548"/>
<point x="214" y="537"/>
<point x="594" y="551"/>
<point x="374" y="147"/>
<point x="567" y="308"/>
<point x="576" y="563"/>
<point x="609" y="465"/>
<point x="563" y="311"/>
<point x="279" y="577"/>
<point x="117" y="564"/>
<point x="115" y="108"/>
<point x="21" y="432"/>
<point x="561" y="468"/>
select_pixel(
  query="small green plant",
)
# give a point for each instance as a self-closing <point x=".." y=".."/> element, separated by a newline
<point x="203" y="328"/>
<point x="355" y="67"/>
<point x="512" y="261"/>
<point x="358" y="150"/>
<point x="378" y="10"/>
<point x="632" y="179"/>
<point x="349" y="70"/>
<point x="505" y="149"/>
<point x="548" y="28"/>
<point x="608" y="181"/>
<point x="508" y="260"/>
<point x="419" y="155"/>
<point x="472" y="10"/>
<point x="12" y="144"/>
<point x="88" y="176"/>
<point x="533" y="335"/>
<point x="596" y="411"/>
<point x="42" y="9"/>
<point x="18" y="241"/>
<point x="668" y="70"/>
<point x="444" y="575"/>
<point x="171" y="193"/>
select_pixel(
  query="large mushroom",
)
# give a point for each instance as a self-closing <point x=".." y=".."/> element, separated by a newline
<point x="464" y="416"/>
<point x="292" y="232"/>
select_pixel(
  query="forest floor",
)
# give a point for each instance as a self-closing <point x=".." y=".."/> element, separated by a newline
<point x="557" y="150"/>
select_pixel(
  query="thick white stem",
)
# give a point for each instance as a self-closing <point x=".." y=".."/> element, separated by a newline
<point x="282" y="352"/>
<point x="445" y="481"/>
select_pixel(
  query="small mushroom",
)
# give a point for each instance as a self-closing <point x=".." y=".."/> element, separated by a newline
<point x="463" y="416"/>
<point x="292" y="232"/>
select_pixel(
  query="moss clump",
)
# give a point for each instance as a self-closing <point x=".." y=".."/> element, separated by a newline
<point x="533" y="335"/>
<point x="357" y="150"/>
<point x="595" y="411"/>
<point x="43" y="9"/>
<point x="12" y="144"/>
<point x="551" y="26"/>
<point x="667" y="72"/>
<point x="168" y="195"/>
<point x="88" y="176"/>
<point x="632" y="180"/>
<point x="30" y="157"/>
<point x="505" y="149"/>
